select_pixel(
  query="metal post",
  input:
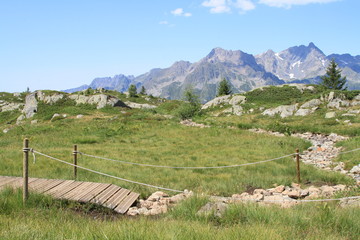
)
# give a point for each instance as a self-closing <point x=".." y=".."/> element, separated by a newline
<point x="298" y="166"/>
<point x="26" y="170"/>
<point x="75" y="161"/>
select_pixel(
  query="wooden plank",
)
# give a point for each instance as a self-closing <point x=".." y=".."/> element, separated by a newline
<point x="105" y="195"/>
<point x="84" y="192"/>
<point x="8" y="181"/>
<point x="126" y="203"/>
<point x="71" y="195"/>
<point x="108" y="195"/>
<point x="17" y="183"/>
<point x="116" y="198"/>
<point x="47" y="185"/>
<point x="38" y="183"/>
<point x="94" y="192"/>
<point x="62" y="191"/>
<point x="59" y="187"/>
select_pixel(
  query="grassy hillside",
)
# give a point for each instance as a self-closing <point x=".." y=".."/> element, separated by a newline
<point x="156" y="137"/>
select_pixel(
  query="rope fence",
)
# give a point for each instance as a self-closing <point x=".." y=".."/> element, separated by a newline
<point x="28" y="150"/>
<point x="105" y="174"/>
<point x="180" y="167"/>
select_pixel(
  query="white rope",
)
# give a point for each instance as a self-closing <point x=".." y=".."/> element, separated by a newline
<point x="354" y="150"/>
<point x="160" y="166"/>
<point x="105" y="174"/>
<point x="32" y="151"/>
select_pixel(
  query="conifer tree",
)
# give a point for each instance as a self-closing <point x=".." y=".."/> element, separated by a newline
<point x="333" y="78"/>
<point x="224" y="88"/>
<point x="143" y="91"/>
<point x="132" y="91"/>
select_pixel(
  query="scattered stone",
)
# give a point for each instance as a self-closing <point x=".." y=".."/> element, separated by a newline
<point x="217" y="208"/>
<point x="6" y="130"/>
<point x="17" y="94"/>
<point x="20" y="119"/>
<point x="354" y="111"/>
<point x="348" y="115"/>
<point x="79" y="116"/>
<point x="330" y="115"/>
<point x="140" y="106"/>
<point x="355" y="170"/>
<point x="34" y="122"/>
<point x="157" y="203"/>
<point x="190" y="123"/>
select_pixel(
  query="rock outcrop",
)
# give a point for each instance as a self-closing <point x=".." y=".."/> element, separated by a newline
<point x="234" y="100"/>
<point x="101" y="100"/>
<point x="5" y="106"/>
<point x="284" y="110"/>
<point x="140" y="106"/>
<point x="49" y="99"/>
<point x="31" y="105"/>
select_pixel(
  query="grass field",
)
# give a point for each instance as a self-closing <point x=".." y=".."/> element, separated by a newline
<point x="147" y="136"/>
<point x="144" y="137"/>
<point x="44" y="218"/>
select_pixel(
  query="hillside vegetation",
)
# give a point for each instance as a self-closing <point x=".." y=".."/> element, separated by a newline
<point x="154" y="136"/>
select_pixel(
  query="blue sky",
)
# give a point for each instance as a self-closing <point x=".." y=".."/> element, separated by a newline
<point x="64" y="44"/>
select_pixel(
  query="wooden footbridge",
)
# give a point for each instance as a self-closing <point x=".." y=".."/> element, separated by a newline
<point x="107" y="195"/>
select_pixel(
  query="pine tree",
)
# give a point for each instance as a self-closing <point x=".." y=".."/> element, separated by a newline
<point x="143" y="91"/>
<point x="132" y="91"/>
<point x="333" y="78"/>
<point x="224" y="88"/>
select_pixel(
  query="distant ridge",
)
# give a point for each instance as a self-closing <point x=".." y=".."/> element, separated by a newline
<point x="298" y="64"/>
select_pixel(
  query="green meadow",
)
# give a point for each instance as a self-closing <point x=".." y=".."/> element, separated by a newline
<point x="152" y="137"/>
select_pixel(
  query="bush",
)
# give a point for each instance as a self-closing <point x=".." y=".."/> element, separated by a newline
<point x="191" y="107"/>
<point x="187" y="111"/>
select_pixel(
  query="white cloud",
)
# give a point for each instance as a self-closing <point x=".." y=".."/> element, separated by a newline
<point x="244" y="5"/>
<point x="164" y="22"/>
<point x="290" y="3"/>
<point x="180" y="12"/>
<point x="224" y="6"/>
<point x="217" y="6"/>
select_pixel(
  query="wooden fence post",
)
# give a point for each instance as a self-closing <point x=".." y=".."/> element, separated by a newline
<point x="26" y="170"/>
<point x="298" y="166"/>
<point x="75" y="161"/>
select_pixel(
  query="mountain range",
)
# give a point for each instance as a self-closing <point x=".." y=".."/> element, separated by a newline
<point x="299" y="64"/>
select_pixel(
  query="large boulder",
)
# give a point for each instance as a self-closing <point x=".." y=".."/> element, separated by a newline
<point x="303" y="112"/>
<point x="284" y="110"/>
<point x="101" y="100"/>
<point x="330" y="115"/>
<point x="31" y="104"/>
<point x="217" y="101"/>
<point x="138" y="105"/>
<point x="311" y="104"/>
